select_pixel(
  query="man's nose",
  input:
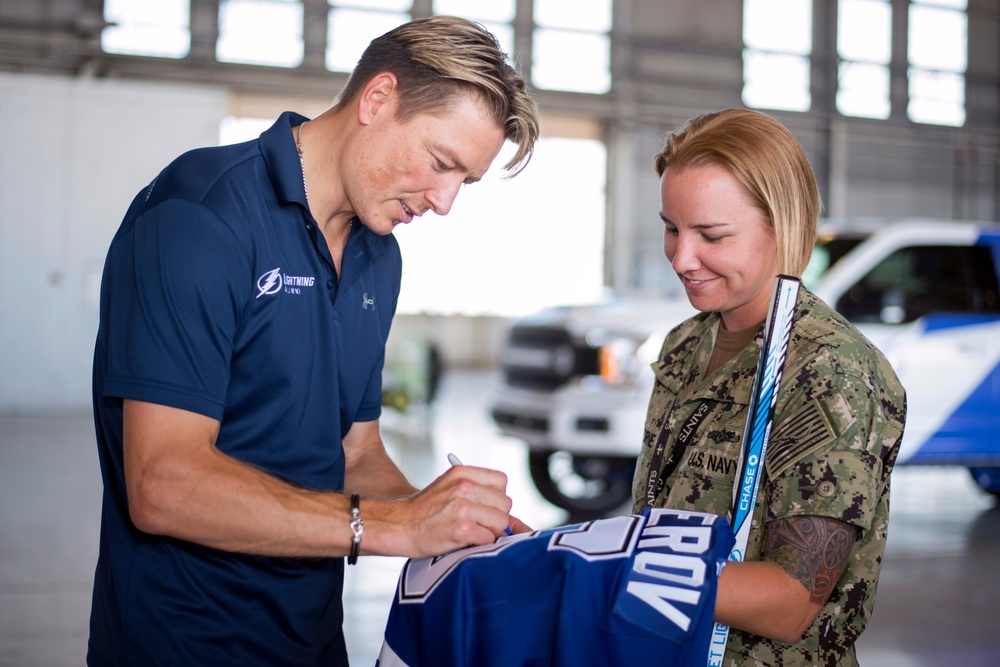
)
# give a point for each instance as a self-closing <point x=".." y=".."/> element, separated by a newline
<point x="443" y="195"/>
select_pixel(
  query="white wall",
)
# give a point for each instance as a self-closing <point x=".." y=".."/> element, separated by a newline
<point x="73" y="153"/>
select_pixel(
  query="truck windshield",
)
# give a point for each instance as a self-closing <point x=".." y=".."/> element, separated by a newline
<point x="827" y="252"/>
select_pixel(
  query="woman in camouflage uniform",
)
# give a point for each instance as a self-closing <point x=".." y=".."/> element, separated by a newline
<point x="739" y="203"/>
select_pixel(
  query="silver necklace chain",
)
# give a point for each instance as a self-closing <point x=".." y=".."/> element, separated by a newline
<point x="298" y="147"/>
<point x="305" y="188"/>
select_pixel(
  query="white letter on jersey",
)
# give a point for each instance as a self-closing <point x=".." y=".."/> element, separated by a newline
<point x="656" y="596"/>
<point x="684" y="570"/>
<point x="683" y="539"/>
<point x="690" y="571"/>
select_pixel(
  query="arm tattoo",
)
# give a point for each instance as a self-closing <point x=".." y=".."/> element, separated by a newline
<point x="811" y="549"/>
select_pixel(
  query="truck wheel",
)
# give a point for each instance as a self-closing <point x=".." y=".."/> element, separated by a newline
<point x="988" y="479"/>
<point x="583" y="485"/>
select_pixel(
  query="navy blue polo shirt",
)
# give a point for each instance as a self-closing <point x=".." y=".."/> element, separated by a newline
<point x="220" y="297"/>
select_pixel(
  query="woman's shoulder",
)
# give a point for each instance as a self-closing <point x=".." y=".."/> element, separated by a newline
<point x="820" y="326"/>
<point x="822" y="337"/>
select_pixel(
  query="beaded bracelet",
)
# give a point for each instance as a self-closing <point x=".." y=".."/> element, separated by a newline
<point x="357" y="527"/>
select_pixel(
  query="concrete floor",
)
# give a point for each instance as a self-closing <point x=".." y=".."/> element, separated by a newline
<point x="938" y="604"/>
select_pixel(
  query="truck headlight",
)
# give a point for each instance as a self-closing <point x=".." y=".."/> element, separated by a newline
<point x="618" y="362"/>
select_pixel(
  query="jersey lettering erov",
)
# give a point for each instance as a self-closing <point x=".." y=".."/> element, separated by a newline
<point x="604" y="592"/>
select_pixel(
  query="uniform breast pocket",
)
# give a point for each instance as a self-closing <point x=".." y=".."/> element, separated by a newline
<point x="704" y="478"/>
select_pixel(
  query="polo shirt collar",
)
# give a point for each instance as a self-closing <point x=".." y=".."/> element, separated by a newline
<point x="282" y="159"/>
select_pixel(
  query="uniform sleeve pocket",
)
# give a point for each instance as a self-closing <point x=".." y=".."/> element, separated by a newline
<point x="841" y="485"/>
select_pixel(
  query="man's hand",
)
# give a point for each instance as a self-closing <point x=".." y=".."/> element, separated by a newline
<point x="465" y="506"/>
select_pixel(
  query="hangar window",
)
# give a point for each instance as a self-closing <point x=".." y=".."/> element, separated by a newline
<point x="142" y="28"/>
<point x="777" y="39"/>
<point x="864" y="48"/>
<point x="571" y="45"/>
<point x="938" y="56"/>
<point x="353" y="24"/>
<point x="260" y="32"/>
<point x="513" y="247"/>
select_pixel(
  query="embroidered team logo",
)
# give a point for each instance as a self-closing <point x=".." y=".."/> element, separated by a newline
<point x="269" y="283"/>
<point x="275" y="281"/>
<point x="368" y="301"/>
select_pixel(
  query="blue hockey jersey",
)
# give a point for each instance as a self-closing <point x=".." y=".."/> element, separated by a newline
<point x="605" y="592"/>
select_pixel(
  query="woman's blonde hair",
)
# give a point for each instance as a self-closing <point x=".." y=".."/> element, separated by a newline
<point x="770" y="164"/>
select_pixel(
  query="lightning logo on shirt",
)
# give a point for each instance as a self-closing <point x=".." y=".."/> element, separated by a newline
<point x="269" y="283"/>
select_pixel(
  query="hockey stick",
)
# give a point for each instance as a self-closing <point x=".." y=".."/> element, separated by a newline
<point x="777" y="330"/>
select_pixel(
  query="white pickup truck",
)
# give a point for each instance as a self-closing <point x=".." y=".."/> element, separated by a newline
<point x="576" y="380"/>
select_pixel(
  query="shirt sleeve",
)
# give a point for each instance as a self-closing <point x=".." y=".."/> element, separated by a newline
<point x="819" y="463"/>
<point x="840" y="485"/>
<point x="177" y="285"/>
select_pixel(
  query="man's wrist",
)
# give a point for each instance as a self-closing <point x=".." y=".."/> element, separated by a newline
<point x="357" y="528"/>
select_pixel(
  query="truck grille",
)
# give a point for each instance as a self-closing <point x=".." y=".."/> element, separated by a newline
<point x="519" y="421"/>
<point x="543" y="358"/>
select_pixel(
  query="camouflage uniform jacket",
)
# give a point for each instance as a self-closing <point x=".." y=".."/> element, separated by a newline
<point x="837" y="426"/>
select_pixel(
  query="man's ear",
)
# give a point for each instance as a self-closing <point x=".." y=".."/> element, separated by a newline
<point x="376" y="97"/>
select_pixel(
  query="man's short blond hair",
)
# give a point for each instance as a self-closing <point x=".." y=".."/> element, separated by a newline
<point x="436" y="59"/>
